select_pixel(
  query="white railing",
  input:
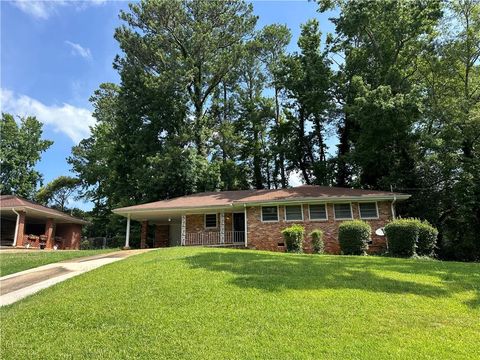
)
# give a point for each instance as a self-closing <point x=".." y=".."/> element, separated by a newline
<point x="214" y="238"/>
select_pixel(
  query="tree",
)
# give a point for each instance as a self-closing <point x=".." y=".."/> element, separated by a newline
<point x="58" y="192"/>
<point x="274" y="39"/>
<point x="21" y="146"/>
<point x="381" y="42"/>
<point x="450" y="133"/>
<point x="198" y="41"/>
<point x="306" y="80"/>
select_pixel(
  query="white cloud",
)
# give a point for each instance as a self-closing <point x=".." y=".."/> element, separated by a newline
<point x="43" y="9"/>
<point x="77" y="49"/>
<point x="72" y="121"/>
<point x="38" y="9"/>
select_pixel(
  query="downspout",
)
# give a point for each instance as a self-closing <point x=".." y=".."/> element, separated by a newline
<point x="16" y="228"/>
<point x="393" y="206"/>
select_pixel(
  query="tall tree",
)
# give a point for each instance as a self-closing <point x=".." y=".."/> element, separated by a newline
<point x="450" y="133"/>
<point x="58" y="192"/>
<point x="199" y="41"/>
<point x="381" y="42"/>
<point x="306" y="80"/>
<point x="21" y="146"/>
<point x="274" y="39"/>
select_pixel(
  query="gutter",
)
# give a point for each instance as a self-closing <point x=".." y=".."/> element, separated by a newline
<point x="16" y="227"/>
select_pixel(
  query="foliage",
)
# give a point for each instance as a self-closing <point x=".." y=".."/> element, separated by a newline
<point x="294" y="236"/>
<point x="402" y="237"/>
<point x="358" y="297"/>
<point x="21" y="146"/>
<point x="354" y="236"/>
<point x="318" y="244"/>
<point x="57" y="192"/>
<point x="427" y="239"/>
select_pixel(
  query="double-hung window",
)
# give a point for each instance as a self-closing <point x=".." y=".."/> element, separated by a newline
<point x="342" y="211"/>
<point x="293" y="213"/>
<point x="210" y="221"/>
<point x="318" y="212"/>
<point x="269" y="213"/>
<point x="368" y="210"/>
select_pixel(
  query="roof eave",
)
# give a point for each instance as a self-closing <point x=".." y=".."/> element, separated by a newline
<point x="132" y="210"/>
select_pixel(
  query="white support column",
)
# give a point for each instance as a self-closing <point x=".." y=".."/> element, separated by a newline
<point x="183" y="233"/>
<point x="127" y="236"/>
<point x="222" y="228"/>
<point x="246" y="229"/>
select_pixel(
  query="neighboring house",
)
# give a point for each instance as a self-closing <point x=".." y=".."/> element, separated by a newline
<point x="255" y="218"/>
<point x="25" y="223"/>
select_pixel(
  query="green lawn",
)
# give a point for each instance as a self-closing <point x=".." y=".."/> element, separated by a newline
<point x="12" y="262"/>
<point x="186" y="303"/>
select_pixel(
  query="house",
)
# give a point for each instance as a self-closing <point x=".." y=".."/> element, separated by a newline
<point x="255" y="218"/>
<point x="28" y="224"/>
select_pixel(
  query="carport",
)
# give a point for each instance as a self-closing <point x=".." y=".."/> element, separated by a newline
<point x="28" y="224"/>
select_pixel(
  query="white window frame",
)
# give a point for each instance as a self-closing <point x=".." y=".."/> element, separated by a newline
<point x="351" y="211"/>
<point x="285" y="212"/>
<point x="269" y="221"/>
<point x="205" y="221"/>
<point x="326" y="212"/>
<point x="368" y="218"/>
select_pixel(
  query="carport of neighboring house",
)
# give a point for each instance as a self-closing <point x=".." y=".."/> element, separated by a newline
<point x="28" y="224"/>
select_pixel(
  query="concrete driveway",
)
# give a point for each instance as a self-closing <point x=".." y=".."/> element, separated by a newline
<point x="17" y="286"/>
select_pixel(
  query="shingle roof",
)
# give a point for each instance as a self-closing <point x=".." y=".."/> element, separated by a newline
<point x="13" y="201"/>
<point x="228" y="198"/>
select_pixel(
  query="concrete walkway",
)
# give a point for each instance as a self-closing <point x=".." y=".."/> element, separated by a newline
<point x="17" y="286"/>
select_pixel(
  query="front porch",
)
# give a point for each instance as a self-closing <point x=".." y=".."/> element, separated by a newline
<point x="212" y="228"/>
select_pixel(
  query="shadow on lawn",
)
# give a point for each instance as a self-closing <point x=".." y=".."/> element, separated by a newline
<point x="273" y="272"/>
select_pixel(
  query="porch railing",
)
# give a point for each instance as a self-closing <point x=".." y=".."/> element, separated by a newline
<point x="213" y="238"/>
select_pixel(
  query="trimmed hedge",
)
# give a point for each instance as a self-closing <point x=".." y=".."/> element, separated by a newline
<point x="402" y="237"/>
<point x="427" y="239"/>
<point x="293" y="236"/>
<point x="409" y="237"/>
<point x="317" y="241"/>
<point x="354" y="236"/>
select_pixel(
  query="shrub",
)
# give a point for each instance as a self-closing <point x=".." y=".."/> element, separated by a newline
<point x="317" y="241"/>
<point x="402" y="236"/>
<point x="293" y="236"/>
<point x="427" y="238"/>
<point x="85" y="245"/>
<point x="354" y="237"/>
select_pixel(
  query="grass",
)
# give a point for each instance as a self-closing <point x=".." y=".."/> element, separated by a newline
<point x="187" y="303"/>
<point x="12" y="262"/>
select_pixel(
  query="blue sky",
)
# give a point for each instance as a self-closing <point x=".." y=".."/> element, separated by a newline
<point x="54" y="54"/>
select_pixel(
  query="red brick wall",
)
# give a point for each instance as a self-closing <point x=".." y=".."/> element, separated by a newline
<point x="71" y="234"/>
<point x="267" y="235"/>
<point x="196" y="223"/>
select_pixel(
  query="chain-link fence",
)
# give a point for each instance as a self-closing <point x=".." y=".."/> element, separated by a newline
<point x="102" y="243"/>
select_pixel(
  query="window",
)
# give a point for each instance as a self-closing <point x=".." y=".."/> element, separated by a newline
<point x="343" y="211"/>
<point x="269" y="213"/>
<point x="210" y="221"/>
<point x="318" y="212"/>
<point x="368" y="210"/>
<point x="293" y="213"/>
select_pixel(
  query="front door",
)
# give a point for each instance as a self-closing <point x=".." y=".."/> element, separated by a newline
<point x="238" y="227"/>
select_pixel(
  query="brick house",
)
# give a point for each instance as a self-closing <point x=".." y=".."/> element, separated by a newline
<point x="255" y="218"/>
<point x="25" y="223"/>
